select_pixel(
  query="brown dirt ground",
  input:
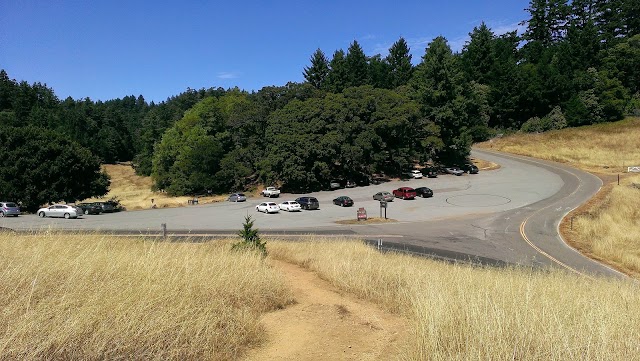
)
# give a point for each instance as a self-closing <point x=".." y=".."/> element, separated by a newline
<point x="325" y="324"/>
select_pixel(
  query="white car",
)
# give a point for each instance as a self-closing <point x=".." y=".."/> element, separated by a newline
<point x="290" y="206"/>
<point x="60" y="210"/>
<point x="415" y="174"/>
<point x="268" y="207"/>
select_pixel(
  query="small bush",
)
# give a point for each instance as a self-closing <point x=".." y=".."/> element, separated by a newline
<point x="250" y="238"/>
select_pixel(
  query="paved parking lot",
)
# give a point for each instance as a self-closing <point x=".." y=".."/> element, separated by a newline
<point x="512" y="186"/>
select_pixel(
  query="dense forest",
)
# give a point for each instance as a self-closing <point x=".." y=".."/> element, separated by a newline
<point x="355" y="115"/>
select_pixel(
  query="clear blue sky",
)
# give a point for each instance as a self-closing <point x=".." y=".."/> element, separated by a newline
<point x="110" y="49"/>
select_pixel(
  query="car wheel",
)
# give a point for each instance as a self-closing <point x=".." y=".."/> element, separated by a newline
<point x="1" y="214"/>
<point x="67" y="216"/>
<point x="86" y="211"/>
<point x="41" y="214"/>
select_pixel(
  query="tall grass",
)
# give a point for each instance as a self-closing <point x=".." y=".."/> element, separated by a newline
<point x="611" y="231"/>
<point x="603" y="148"/>
<point x="102" y="297"/>
<point x="462" y="313"/>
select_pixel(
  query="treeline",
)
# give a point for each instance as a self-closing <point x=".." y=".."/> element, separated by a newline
<point x="355" y="115"/>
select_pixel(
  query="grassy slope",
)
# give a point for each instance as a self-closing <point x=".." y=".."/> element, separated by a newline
<point x="134" y="191"/>
<point x="607" y="228"/>
<point x="462" y="313"/>
<point x="102" y="297"/>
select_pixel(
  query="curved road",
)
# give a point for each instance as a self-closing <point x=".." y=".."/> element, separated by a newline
<point x="507" y="216"/>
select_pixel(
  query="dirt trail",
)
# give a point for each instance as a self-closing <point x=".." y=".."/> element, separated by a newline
<point x="327" y="325"/>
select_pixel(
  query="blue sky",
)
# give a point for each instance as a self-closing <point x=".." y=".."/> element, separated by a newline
<point x="110" y="49"/>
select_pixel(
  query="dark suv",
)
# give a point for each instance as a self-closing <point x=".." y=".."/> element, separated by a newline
<point x="308" y="202"/>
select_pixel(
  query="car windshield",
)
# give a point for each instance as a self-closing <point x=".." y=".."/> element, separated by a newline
<point x="271" y="204"/>
<point x="240" y="194"/>
<point x="312" y="200"/>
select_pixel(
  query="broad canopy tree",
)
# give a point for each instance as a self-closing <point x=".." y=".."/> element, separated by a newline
<point x="39" y="166"/>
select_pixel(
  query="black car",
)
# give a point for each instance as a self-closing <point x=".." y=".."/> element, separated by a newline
<point x="424" y="192"/>
<point x="343" y="201"/>
<point x="470" y="168"/>
<point x="107" y="207"/>
<point x="90" y="208"/>
<point x="430" y="172"/>
<point x="308" y="202"/>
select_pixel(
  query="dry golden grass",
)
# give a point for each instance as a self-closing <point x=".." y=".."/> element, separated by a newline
<point x="610" y="230"/>
<point x="134" y="191"/>
<point x="465" y="313"/>
<point x="90" y="297"/>
<point x="607" y="228"/>
<point x="603" y="148"/>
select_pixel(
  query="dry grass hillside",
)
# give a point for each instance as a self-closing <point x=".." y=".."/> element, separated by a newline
<point x="134" y="191"/>
<point x="608" y="227"/>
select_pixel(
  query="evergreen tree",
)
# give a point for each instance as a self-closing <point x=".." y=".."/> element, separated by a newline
<point x="338" y="77"/>
<point x="357" y="66"/>
<point x="477" y="54"/>
<point x="316" y="74"/>
<point x="399" y="60"/>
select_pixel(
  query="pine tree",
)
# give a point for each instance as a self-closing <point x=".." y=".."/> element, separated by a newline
<point x="317" y="73"/>
<point x="477" y="55"/>
<point x="338" y="77"/>
<point x="399" y="60"/>
<point x="357" y="66"/>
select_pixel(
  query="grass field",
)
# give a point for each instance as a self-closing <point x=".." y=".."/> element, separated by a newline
<point x="607" y="228"/>
<point x="89" y="297"/>
<point x="103" y="297"/>
<point x="463" y="313"/>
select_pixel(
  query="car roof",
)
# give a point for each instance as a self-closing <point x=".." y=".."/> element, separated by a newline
<point x="406" y="188"/>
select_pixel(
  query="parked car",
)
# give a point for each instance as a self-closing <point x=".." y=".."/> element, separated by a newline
<point x="415" y="174"/>
<point x="335" y="184"/>
<point x="430" y="172"/>
<point x="60" y="210"/>
<point x="271" y="192"/>
<point x="454" y="171"/>
<point x="9" y="209"/>
<point x="268" y="207"/>
<point x="424" y="192"/>
<point x="107" y="207"/>
<point x="308" y="203"/>
<point x="470" y="168"/>
<point x="343" y="201"/>
<point x="404" y="193"/>
<point x="90" y="208"/>
<point x="290" y="206"/>
<point x="383" y="196"/>
<point x="350" y="184"/>
<point x="237" y="197"/>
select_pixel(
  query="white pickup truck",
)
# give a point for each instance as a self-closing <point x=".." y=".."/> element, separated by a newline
<point x="271" y="192"/>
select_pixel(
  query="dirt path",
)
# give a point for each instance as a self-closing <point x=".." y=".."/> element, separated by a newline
<point x="327" y="325"/>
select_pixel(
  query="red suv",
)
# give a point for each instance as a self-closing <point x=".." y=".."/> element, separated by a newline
<point x="405" y="193"/>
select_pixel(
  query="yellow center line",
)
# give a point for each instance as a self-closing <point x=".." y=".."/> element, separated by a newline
<point x="539" y="250"/>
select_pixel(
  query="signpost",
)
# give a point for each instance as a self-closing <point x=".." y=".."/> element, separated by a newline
<point x="383" y="205"/>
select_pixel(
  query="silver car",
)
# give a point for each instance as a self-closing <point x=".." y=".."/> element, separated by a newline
<point x="60" y="210"/>
<point x="9" y="209"/>
<point x="237" y="197"/>
<point x="384" y="196"/>
<point x="454" y="171"/>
